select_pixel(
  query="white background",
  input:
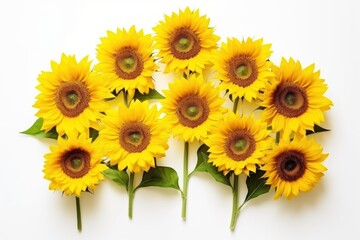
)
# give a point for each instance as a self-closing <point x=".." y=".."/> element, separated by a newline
<point x="35" y="32"/>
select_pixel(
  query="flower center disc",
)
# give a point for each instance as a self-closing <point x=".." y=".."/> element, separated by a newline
<point x="184" y="43"/>
<point x="75" y="163"/>
<point x="290" y="100"/>
<point x="128" y="63"/>
<point x="72" y="98"/>
<point x="192" y="111"/>
<point x="290" y="165"/>
<point x="242" y="71"/>
<point x="240" y="145"/>
<point x="135" y="137"/>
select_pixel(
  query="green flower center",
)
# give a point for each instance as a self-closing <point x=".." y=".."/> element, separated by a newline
<point x="135" y="137"/>
<point x="243" y="71"/>
<point x="240" y="145"/>
<point x="128" y="63"/>
<point x="290" y="98"/>
<point x="76" y="162"/>
<point x="192" y="111"/>
<point x="72" y="98"/>
<point x="183" y="44"/>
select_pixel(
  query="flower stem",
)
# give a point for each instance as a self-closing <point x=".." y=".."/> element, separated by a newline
<point x="131" y="194"/>
<point x="235" y="209"/>
<point x="185" y="180"/>
<point x="236" y="103"/>
<point x="78" y="214"/>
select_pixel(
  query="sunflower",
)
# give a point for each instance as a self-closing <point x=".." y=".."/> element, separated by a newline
<point x="74" y="165"/>
<point x="294" y="166"/>
<point x="243" y="67"/>
<point x="192" y="107"/>
<point x="71" y="96"/>
<point x="295" y="101"/>
<point x="134" y="136"/>
<point x="238" y="144"/>
<point x="126" y="60"/>
<point x="185" y="41"/>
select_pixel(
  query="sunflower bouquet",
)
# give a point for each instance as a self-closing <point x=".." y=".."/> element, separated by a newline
<point x="107" y="123"/>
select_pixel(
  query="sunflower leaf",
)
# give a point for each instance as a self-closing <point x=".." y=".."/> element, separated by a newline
<point x="121" y="178"/>
<point x="93" y="133"/>
<point x="160" y="176"/>
<point x="256" y="185"/>
<point x="35" y="130"/>
<point x="317" y="129"/>
<point x="203" y="165"/>
<point x="153" y="94"/>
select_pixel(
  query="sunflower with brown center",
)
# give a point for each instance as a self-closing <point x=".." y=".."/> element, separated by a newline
<point x="126" y="60"/>
<point x="74" y="165"/>
<point x="71" y="96"/>
<point x="238" y="144"/>
<point x="185" y="42"/>
<point x="294" y="102"/>
<point x="294" y="166"/>
<point x="192" y="107"/>
<point x="243" y="67"/>
<point x="132" y="137"/>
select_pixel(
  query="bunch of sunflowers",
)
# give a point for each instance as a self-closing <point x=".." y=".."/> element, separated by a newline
<point x="106" y="125"/>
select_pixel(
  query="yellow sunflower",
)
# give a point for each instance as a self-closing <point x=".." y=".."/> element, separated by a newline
<point x="295" y="101"/>
<point x="238" y="144"/>
<point x="74" y="165"/>
<point x="71" y="96"/>
<point x="185" y="41"/>
<point x="132" y="137"/>
<point x="243" y="67"/>
<point x="126" y="60"/>
<point x="294" y="166"/>
<point x="192" y="106"/>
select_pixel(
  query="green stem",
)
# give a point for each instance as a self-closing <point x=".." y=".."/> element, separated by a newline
<point x="131" y="194"/>
<point x="235" y="209"/>
<point x="78" y="214"/>
<point x="185" y="180"/>
<point x="236" y="103"/>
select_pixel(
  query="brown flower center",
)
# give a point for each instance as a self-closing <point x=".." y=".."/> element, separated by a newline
<point x="72" y="98"/>
<point x="290" y="100"/>
<point x="75" y="163"/>
<point x="290" y="165"/>
<point x="240" y="145"/>
<point x="192" y="110"/>
<point x="184" y="43"/>
<point x="242" y="70"/>
<point x="135" y="137"/>
<point x="128" y="63"/>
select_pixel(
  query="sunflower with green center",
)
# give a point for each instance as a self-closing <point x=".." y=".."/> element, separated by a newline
<point x="126" y="60"/>
<point x="243" y="67"/>
<point x="294" y="166"/>
<point x="71" y="96"/>
<point x="132" y="137"/>
<point x="185" y="42"/>
<point x="238" y="144"/>
<point x="192" y="106"/>
<point x="294" y="102"/>
<point x="74" y="165"/>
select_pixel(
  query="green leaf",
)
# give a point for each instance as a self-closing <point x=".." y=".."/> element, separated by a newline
<point x="256" y="185"/>
<point x="93" y="133"/>
<point x="160" y="176"/>
<point x="121" y="178"/>
<point x="35" y="130"/>
<point x="317" y="129"/>
<point x="203" y="165"/>
<point x="153" y="94"/>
